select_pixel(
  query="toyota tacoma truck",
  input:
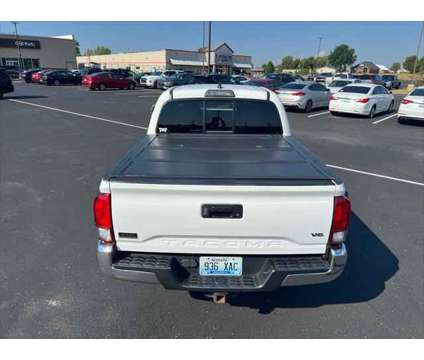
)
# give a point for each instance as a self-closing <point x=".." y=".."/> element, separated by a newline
<point x="219" y="197"/>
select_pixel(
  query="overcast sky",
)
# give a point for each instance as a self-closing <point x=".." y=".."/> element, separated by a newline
<point x="380" y="42"/>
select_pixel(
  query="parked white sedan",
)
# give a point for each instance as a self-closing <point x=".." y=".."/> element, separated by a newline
<point x="304" y="95"/>
<point x="412" y="106"/>
<point x="338" y="84"/>
<point x="362" y="99"/>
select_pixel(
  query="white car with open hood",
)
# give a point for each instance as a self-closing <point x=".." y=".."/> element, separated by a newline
<point x="362" y="99"/>
<point x="219" y="197"/>
<point x="412" y="106"/>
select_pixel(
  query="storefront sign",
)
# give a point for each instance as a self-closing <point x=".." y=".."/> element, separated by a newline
<point x="23" y="43"/>
<point x="223" y="59"/>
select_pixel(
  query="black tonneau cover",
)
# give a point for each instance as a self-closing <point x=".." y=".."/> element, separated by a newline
<point x="220" y="159"/>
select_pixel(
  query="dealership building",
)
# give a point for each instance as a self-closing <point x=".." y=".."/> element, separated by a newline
<point x="222" y="60"/>
<point x="54" y="52"/>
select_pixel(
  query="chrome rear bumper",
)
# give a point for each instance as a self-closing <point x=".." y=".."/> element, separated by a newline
<point x="336" y="263"/>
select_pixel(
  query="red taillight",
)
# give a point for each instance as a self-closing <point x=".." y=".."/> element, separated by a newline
<point x="406" y="101"/>
<point x="332" y="97"/>
<point x="102" y="211"/>
<point x="340" y="223"/>
<point x="363" y="100"/>
<point x="299" y="93"/>
<point x="103" y="218"/>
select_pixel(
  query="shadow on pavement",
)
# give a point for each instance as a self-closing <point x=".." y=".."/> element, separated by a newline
<point x="412" y="122"/>
<point x="370" y="265"/>
<point x="316" y="110"/>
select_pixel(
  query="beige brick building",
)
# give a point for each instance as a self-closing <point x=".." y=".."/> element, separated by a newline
<point x="37" y="51"/>
<point x="222" y="59"/>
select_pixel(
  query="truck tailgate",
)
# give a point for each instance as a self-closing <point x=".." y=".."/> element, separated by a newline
<point x="158" y="192"/>
<point x="168" y="218"/>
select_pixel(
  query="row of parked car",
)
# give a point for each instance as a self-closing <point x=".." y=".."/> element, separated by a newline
<point x="389" y="81"/>
<point x="353" y="97"/>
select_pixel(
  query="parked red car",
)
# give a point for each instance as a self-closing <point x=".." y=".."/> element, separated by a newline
<point x="36" y="76"/>
<point x="106" y="80"/>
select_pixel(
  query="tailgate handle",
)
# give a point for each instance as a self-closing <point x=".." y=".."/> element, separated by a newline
<point x="222" y="211"/>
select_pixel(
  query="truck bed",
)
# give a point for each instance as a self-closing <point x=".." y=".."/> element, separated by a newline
<point x="215" y="159"/>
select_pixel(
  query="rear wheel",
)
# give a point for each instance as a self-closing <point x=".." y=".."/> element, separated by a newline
<point x="56" y="82"/>
<point x="102" y="87"/>
<point x="131" y="86"/>
<point x="371" y="114"/>
<point x="334" y="113"/>
<point x="391" y="107"/>
<point x="308" y="106"/>
<point x="155" y="85"/>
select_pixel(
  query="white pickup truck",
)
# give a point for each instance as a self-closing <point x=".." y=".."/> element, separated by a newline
<point x="218" y="197"/>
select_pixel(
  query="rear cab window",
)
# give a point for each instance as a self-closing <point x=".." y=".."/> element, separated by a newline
<point x="233" y="116"/>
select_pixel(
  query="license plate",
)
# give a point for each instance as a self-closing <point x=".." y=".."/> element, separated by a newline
<point x="220" y="266"/>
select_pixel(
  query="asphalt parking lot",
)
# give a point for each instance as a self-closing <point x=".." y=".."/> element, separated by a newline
<point x="56" y="143"/>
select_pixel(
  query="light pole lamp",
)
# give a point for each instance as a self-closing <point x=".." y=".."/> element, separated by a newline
<point x="15" y="23"/>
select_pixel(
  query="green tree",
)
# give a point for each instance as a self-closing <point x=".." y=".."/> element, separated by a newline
<point x="395" y="66"/>
<point x="296" y="63"/>
<point x="287" y="62"/>
<point x="342" y="57"/>
<point x="268" y="67"/>
<point x="98" y="50"/>
<point x="420" y="65"/>
<point x="321" y="61"/>
<point x="309" y="64"/>
<point x="409" y="63"/>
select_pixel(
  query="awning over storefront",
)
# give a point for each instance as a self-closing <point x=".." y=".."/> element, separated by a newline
<point x="186" y="62"/>
<point x="242" y="65"/>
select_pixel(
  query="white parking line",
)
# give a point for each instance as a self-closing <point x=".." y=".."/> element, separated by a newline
<point x="383" y="119"/>
<point x="78" y="114"/>
<point x="323" y="113"/>
<point x="376" y="175"/>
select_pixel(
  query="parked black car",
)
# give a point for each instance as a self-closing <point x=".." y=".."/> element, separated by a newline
<point x="26" y="74"/>
<point x="13" y="73"/>
<point x="391" y="81"/>
<point x="282" y="78"/>
<point x="372" y="78"/>
<point x="89" y="71"/>
<point x="6" y="85"/>
<point x="214" y="79"/>
<point x="59" y="77"/>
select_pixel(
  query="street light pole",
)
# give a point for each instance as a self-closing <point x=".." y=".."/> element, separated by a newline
<point x="209" y="47"/>
<point x="418" y="48"/>
<point x="203" y="49"/>
<point x="319" y="46"/>
<point x="18" y="45"/>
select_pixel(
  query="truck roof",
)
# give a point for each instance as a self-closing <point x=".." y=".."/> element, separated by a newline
<point x="240" y="91"/>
